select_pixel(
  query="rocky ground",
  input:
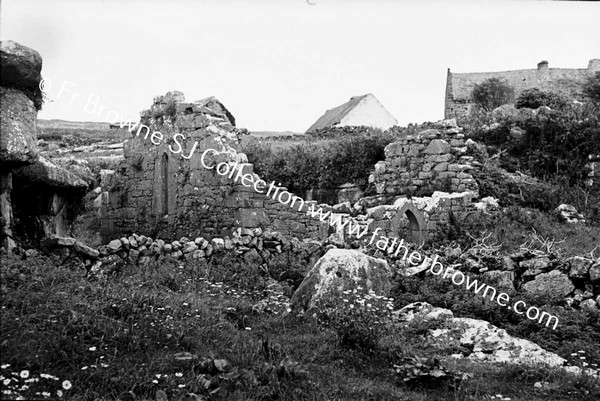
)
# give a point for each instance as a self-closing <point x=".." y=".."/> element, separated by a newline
<point x="170" y="331"/>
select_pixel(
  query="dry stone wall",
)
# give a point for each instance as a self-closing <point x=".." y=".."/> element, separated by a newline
<point x="161" y="192"/>
<point x="434" y="159"/>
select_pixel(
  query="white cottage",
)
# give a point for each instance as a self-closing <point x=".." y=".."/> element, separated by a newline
<point x="359" y="110"/>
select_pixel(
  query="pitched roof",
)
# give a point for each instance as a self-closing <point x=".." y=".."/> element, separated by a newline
<point x="335" y="115"/>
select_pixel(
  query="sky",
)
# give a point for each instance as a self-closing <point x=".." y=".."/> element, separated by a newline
<point x="278" y="65"/>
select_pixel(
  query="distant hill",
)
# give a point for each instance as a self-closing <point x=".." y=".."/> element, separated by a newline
<point x="79" y="125"/>
<point x="266" y="134"/>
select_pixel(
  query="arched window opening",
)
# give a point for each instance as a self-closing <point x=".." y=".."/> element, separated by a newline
<point x="164" y="184"/>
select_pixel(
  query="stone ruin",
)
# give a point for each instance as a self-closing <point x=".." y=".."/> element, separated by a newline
<point x="159" y="193"/>
<point x="36" y="196"/>
<point x="163" y="194"/>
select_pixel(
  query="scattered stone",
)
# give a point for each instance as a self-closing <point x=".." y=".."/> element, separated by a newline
<point x="218" y="244"/>
<point x="536" y="266"/>
<point x="133" y="241"/>
<point x="568" y="213"/>
<point x="144" y="251"/>
<point x="589" y="305"/>
<point x="85" y="250"/>
<point x="115" y="245"/>
<point x="59" y="241"/>
<point x="579" y="267"/>
<point x="189" y="247"/>
<point x="554" y="284"/>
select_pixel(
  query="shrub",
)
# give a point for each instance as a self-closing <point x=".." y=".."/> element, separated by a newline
<point x="535" y="98"/>
<point x="326" y="164"/>
<point x="492" y="93"/>
<point x="546" y="142"/>
<point x="360" y="321"/>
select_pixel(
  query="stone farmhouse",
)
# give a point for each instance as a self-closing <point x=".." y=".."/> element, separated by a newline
<point x="362" y="110"/>
<point x="567" y="81"/>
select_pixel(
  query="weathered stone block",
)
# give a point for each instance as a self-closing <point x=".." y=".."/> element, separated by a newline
<point x="441" y="167"/>
<point x="18" y="116"/>
<point x="438" y="147"/>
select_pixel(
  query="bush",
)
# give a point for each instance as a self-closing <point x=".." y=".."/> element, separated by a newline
<point x="326" y="164"/>
<point x="492" y="93"/>
<point x="360" y="321"/>
<point x="535" y="98"/>
<point x="546" y="142"/>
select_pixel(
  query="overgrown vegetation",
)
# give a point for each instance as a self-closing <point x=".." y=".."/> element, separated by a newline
<point x="169" y="332"/>
<point x="492" y="93"/>
<point x="320" y="164"/>
<point x="544" y="135"/>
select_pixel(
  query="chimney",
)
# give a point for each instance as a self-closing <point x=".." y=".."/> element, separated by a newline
<point x="543" y="65"/>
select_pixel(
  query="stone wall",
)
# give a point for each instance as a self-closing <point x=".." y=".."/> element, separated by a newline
<point x="269" y="251"/>
<point x="567" y="81"/>
<point x="416" y="220"/>
<point x="434" y="159"/>
<point x="163" y="190"/>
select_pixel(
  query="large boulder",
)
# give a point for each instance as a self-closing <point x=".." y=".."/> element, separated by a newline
<point x="18" y="142"/>
<point x="480" y="340"/>
<point x="21" y="69"/>
<point x="340" y="270"/>
<point x="554" y="284"/>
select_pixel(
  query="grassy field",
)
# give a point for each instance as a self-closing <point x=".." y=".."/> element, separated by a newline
<point x="167" y="331"/>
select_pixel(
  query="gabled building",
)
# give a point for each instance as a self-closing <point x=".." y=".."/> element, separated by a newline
<point x="566" y="81"/>
<point x="359" y="110"/>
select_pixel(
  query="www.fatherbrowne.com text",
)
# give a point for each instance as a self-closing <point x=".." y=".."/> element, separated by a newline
<point x="234" y="170"/>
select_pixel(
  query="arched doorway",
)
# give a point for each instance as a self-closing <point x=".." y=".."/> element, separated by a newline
<point x="410" y="224"/>
<point x="414" y="231"/>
